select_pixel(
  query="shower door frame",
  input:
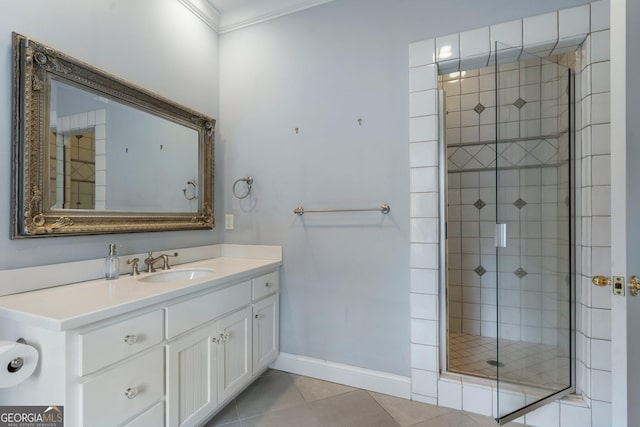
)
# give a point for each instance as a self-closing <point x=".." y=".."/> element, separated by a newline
<point x="443" y="298"/>
<point x="554" y="395"/>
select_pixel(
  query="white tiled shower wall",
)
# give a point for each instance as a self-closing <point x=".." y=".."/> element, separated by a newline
<point x="533" y="179"/>
<point x="468" y="50"/>
<point x="95" y="120"/>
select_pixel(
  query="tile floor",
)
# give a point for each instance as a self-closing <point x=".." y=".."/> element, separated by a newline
<point x="522" y="362"/>
<point x="280" y="399"/>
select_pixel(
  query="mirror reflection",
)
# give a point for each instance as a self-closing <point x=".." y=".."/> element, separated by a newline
<point x="106" y="155"/>
<point x="72" y="168"/>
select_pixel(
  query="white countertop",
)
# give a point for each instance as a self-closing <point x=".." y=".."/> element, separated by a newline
<point x="72" y="306"/>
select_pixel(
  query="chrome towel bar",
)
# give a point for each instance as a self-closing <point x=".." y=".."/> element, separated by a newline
<point x="384" y="208"/>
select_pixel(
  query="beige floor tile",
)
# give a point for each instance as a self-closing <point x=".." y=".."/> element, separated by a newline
<point x="228" y="415"/>
<point x="353" y="409"/>
<point x="297" y="416"/>
<point x="277" y="399"/>
<point x="269" y="393"/>
<point x="313" y="389"/>
<point x="482" y="420"/>
<point x="407" y="412"/>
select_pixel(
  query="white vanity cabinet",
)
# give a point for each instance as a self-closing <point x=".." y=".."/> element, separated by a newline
<point x="209" y="365"/>
<point x="265" y="332"/>
<point x="192" y="376"/>
<point x="121" y="393"/>
<point x="206" y="367"/>
<point x="105" y="345"/>
<point x="119" y="365"/>
<point x="234" y="353"/>
<point x="175" y="358"/>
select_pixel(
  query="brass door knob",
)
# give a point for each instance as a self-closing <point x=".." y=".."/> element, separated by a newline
<point x="634" y="286"/>
<point x="601" y="281"/>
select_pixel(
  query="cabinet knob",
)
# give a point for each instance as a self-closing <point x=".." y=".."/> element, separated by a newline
<point x="131" y="339"/>
<point x="257" y="316"/>
<point x="131" y="392"/>
<point x="268" y="285"/>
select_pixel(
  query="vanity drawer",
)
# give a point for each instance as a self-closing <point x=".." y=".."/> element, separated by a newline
<point x="265" y="285"/>
<point x="120" y="393"/>
<point x="152" y="417"/>
<point x="197" y="311"/>
<point x="104" y="346"/>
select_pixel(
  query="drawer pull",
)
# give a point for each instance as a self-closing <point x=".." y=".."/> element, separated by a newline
<point x="131" y="339"/>
<point x="131" y="392"/>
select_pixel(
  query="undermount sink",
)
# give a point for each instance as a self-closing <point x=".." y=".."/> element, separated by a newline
<point x="177" y="275"/>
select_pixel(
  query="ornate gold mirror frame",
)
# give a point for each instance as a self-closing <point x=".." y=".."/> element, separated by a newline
<point x="34" y="66"/>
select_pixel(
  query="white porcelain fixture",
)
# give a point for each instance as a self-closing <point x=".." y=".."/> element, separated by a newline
<point x="177" y="275"/>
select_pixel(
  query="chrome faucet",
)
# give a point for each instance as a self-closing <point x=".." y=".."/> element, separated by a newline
<point x="134" y="266"/>
<point x="150" y="261"/>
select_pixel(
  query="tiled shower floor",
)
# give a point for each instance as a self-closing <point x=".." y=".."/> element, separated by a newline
<point x="525" y="363"/>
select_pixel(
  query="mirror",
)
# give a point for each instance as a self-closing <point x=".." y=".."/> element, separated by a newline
<point x="94" y="154"/>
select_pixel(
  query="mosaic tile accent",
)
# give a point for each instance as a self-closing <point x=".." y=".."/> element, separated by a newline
<point x="519" y="203"/>
<point x="544" y="151"/>
<point x="479" y="204"/>
<point x="534" y="152"/>
<point x="519" y="103"/>
<point x="520" y="272"/>
<point x="479" y="108"/>
<point x="480" y="270"/>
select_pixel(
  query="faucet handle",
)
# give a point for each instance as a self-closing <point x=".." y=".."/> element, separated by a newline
<point x="134" y="266"/>
<point x="165" y="260"/>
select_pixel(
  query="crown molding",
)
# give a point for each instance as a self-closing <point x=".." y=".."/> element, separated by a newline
<point x="205" y="11"/>
<point x="229" y="24"/>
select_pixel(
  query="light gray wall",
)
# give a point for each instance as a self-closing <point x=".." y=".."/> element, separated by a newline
<point x="156" y="44"/>
<point x="345" y="276"/>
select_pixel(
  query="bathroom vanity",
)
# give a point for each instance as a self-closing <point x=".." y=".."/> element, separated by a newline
<point x="167" y="348"/>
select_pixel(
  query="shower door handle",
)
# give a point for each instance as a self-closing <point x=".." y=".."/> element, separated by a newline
<point x="501" y="235"/>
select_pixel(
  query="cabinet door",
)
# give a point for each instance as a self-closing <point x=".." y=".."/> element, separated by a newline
<point x="191" y="372"/>
<point x="234" y="353"/>
<point x="265" y="332"/>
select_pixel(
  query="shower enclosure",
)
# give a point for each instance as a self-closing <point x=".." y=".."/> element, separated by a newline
<point x="509" y="287"/>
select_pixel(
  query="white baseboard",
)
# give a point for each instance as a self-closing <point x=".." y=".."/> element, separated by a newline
<point x="367" y="379"/>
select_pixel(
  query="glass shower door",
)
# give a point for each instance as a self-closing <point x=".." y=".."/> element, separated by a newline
<point x="533" y="233"/>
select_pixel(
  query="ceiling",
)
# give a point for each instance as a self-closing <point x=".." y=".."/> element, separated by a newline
<point x="234" y="14"/>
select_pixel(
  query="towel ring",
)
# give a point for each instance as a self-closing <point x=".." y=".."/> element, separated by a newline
<point x="195" y="190"/>
<point x="247" y="180"/>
